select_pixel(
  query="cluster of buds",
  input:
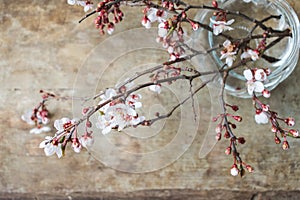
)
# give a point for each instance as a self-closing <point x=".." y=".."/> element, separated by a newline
<point x="104" y="9"/>
<point x="226" y="126"/>
<point x="264" y="115"/>
<point x="39" y="116"/>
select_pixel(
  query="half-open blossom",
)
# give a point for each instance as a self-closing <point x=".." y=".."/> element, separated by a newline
<point x="261" y="117"/>
<point x="234" y="171"/>
<point x="86" y="141"/>
<point x="76" y="145"/>
<point x="250" y="54"/>
<point x="50" y="147"/>
<point x="221" y="26"/>
<point x="228" y="53"/>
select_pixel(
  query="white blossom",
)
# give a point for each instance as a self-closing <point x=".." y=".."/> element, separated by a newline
<point x="63" y="123"/>
<point x="162" y="30"/>
<point x="117" y="116"/>
<point x="50" y="148"/>
<point x="250" y="54"/>
<point x="261" y="118"/>
<point x="255" y="79"/>
<point x="221" y="26"/>
<point x="228" y="53"/>
<point x="154" y="15"/>
<point x="255" y="86"/>
<point x="234" y="171"/>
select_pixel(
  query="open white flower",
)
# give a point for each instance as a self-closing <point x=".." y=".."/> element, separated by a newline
<point x="261" y="118"/>
<point x="154" y="15"/>
<point x="221" y="26"/>
<point x="228" y="53"/>
<point x="250" y="54"/>
<point x="255" y="79"/>
<point x="118" y="116"/>
<point x="255" y="86"/>
<point x="50" y="148"/>
<point x="162" y="30"/>
<point x="247" y="1"/>
<point x="63" y="123"/>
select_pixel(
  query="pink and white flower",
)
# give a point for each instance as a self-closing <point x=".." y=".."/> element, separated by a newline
<point x="228" y="53"/>
<point x="118" y="116"/>
<point x="87" y="5"/>
<point x="63" y="124"/>
<point x="154" y="15"/>
<point x="234" y="171"/>
<point x="76" y="145"/>
<point x="86" y="141"/>
<point x="261" y="117"/>
<point x="50" y="147"/>
<point x="253" y="54"/>
<point x="221" y="26"/>
<point x="41" y="120"/>
<point x="255" y="79"/>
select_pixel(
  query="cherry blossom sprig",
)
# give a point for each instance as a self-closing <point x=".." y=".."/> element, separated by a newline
<point x="264" y="114"/>
<point x="118" y="106"/>
<point x="226" y="126"/>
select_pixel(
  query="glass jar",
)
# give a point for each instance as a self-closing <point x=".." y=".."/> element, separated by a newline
<point x="287" y="50"/>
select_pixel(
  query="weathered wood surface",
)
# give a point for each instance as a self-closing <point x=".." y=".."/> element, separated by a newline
<point x="42" y="47"/>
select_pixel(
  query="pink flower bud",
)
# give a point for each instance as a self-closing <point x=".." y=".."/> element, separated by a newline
<point x="218" y="136"/>
<point x="237" y="118"/>
<point x="290" y="121"/>
<point x="249" y="168"/>
<point x="265" y="107"/>
<point x="226" y="135"/>
<point x="235" y="108"/>
<point x="215" y="4"/>
<point x="274" y="129"/>
<point x="294" y="132"/>
<point x="88" y="124"/>
<point x="285" y="145"/>
<point x="228" y="151"/>
<point x="266" y="93"/>
<point x="195" y="26"/>
<point x="277" y="140"/>
<point x="241" y="140"/>
<point x="218" y="128"/>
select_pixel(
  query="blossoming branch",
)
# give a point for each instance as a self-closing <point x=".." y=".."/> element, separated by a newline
<point x="118" y="106"/>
